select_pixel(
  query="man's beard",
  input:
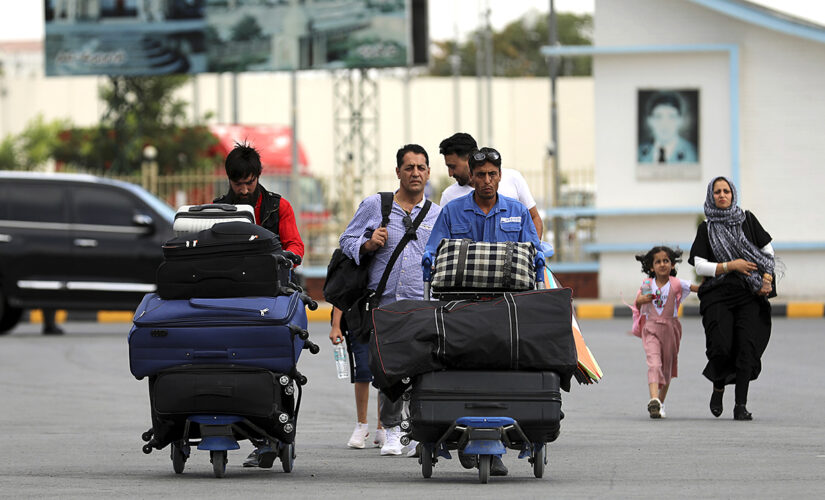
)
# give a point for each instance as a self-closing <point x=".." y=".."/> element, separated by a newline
<point x="247" y="199"/>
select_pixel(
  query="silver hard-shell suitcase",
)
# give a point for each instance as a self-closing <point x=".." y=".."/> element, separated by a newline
<point x="194" y="218"/>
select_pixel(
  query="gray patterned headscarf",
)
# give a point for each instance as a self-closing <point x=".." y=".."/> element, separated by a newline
<point x="729" y="242"/>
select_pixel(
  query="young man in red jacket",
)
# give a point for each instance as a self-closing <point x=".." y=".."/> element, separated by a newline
<point x="272" y="211"/>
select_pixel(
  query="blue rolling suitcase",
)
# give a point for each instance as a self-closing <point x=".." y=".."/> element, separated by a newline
<point x="263" y="332"/>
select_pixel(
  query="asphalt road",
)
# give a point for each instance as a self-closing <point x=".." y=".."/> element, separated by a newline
<point x="71" y="416"/>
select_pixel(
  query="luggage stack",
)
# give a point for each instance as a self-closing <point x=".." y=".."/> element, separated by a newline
<point x="483" y="364"/>
<point x="220" y="340"/>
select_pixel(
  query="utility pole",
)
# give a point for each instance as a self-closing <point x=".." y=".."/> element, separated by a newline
<point x="553" y="147"/>
<point x="479" y="87"/>
<point x="489" y="64"/>
<point x="455" y="63"/>
<point x="295" y="180"/>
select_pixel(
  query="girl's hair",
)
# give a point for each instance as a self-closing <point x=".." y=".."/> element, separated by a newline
<point x="646" y="259"/>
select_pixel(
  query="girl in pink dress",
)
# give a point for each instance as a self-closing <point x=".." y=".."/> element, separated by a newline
<point x="658" y="305"/>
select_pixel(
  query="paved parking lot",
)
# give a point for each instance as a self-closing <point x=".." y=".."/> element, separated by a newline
<point x="72" y="416"/>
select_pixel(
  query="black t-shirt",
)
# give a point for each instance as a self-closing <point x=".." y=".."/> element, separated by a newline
<point x="753" y="231"/>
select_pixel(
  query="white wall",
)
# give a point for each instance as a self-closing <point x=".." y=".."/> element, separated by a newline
<point x="520" y="115"/>
<point x="781" y="133"/>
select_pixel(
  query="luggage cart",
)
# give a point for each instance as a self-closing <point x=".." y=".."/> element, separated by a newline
<point x="213" y="405"/>
<point x="486" y="430"/>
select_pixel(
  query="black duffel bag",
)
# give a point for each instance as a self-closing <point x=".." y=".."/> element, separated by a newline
<point x="529" y="330"/>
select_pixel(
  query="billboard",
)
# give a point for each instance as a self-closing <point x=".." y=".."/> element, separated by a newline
<point x="157" y="37"/>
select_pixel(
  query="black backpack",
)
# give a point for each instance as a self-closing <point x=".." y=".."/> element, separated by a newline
<point x="346" y="281"/>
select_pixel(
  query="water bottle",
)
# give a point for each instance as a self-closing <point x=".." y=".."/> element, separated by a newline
<point x="339" y="352"/>
<point x="647" y="289"/>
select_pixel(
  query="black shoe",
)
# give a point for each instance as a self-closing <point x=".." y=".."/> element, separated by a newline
<point x="262" y="457"/>
<point x="716" y="402"/>
<point x="468" y="461"/>
<point x="497" y="467"/>
<point x="52" y="330"/>
<point x="741" y="413"/>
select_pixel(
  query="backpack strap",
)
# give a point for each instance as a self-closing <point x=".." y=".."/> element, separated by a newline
<point x="386" y="207"/>
<point x="676" y="288"/>
<point x="401" y="244"/>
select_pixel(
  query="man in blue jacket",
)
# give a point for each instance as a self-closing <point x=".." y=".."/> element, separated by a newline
<point x="483" y="215"/>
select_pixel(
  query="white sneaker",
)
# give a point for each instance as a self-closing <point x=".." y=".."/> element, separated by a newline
<point x="359" y="436"/>
<point x="380" y="438"/>
<point x="393" y="444"/>
<point x="412" y="449"/>
<point x="654" y="407"/>
<point x="662" y="411"/>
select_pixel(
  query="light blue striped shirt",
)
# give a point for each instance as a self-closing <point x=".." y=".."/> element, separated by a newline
<point x="405" y="280"/>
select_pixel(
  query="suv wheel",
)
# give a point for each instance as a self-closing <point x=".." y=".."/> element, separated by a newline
<point x="9" y="316"/>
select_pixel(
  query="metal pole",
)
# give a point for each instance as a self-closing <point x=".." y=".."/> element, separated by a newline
<point x="553" y="148"/>
<point x="407" y="107"/>
<point x="489" y="67"/>
<point x="221" y="118"/>
<point x="235" y="113"/>
<point x="294" y="184"/>
<point x="455" y="62"/>
<point x="196" y="99"/>
<point x="479" y="87"/>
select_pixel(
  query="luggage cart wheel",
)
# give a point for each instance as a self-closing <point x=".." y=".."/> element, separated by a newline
<point x="147" y="448"/>
<point x="426" y="460"/>
<point x="539" y="459"/>
<point x="147" y="436"/>
<point x="218" y="459"/>
<point x="287" y="456"/>
<point x="178" y="458"/>
<point x="484" y="468"/>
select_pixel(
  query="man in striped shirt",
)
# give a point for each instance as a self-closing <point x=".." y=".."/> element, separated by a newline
<point x="364" y="235"/>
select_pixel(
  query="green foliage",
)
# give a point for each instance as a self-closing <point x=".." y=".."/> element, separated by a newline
<point x="246" y="29"/>
<point x="33" y="147"/>
<point x="8" y="154"/>
<point x="517" y="48"/>
<point x="140" y="111"/>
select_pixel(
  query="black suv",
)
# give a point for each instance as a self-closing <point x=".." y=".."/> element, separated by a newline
<point x="73" y="241"/>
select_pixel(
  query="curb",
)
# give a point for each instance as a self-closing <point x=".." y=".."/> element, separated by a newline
<point x="593" y="310"/>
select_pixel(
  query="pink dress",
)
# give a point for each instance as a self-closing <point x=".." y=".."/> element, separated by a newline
<point x="661" y="336"/>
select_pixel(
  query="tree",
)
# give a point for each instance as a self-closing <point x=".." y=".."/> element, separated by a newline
<point x="140" y="111"/>
<point x="33" y="148"/>
<point x="517" y="48"/>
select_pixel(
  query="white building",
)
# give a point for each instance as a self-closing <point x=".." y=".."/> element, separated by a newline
<point x="753" y="82"/>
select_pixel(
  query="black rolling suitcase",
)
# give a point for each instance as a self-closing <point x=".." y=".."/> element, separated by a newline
<point x="230" y="259"/>
<point x="533" y="399"/>
<point x="255" y="394"/>
<point x="223" y="389"/>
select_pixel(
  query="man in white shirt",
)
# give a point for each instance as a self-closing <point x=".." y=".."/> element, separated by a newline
<point x="456" y="151"/>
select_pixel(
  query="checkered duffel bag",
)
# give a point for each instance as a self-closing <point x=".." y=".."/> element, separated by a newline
<point x="464" y="265"/>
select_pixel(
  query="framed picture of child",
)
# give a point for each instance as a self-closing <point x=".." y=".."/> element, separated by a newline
<point x="668" y="134"/>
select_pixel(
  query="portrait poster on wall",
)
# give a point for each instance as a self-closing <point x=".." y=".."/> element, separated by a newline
<point x="668" y="134"/>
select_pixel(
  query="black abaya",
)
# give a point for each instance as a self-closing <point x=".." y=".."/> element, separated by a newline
<point x="737" y="322"/>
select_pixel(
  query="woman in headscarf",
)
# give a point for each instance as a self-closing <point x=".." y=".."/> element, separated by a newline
<point x="735" y="255"/>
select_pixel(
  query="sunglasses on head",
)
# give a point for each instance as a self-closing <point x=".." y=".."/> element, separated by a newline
<point x="490" y="155"/>
<point x="658" y="300"/>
